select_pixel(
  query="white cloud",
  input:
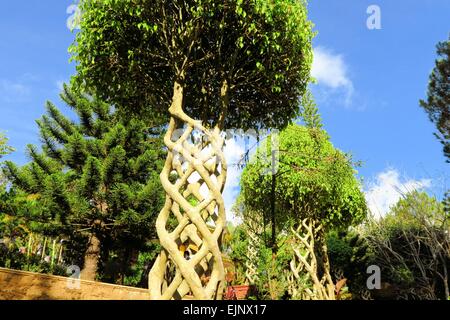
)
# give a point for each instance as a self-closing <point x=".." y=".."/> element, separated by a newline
<point x="330" y="71"/>
<point x="234" y="151"/>
<point x="388" y="188"/>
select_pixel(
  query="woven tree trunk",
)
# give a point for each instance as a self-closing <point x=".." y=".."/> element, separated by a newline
<point x="307" y="267"/>
<point x="193" y="178"/>
<point x="251" y="263"/>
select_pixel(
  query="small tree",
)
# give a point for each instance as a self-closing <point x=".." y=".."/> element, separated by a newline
<point x="350" y="255"/>
<point x="315" y="190"/>
<point x="95" y="180"/>
<point x="209" y="65"/>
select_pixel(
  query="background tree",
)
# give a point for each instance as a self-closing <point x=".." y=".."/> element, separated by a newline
<point x="22" y="246"/>
<point x="236" y="250"/>
<point x="412" y="247"/>
<point x="316" y="191"/>
<point x="96" y="180"/>
<point x="209" y="65"/>
<point x="437" y="105"/>
<point x="4" y="150"/>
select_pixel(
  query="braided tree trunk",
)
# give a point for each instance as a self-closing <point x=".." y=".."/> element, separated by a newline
<point x="195" y="161"/>
<point x="251" y="264"/>
<point x="306" y="262"/>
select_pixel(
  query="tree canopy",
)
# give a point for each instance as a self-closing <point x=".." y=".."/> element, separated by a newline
<point x="314" y="180"/>
<point x="244" y="64"/>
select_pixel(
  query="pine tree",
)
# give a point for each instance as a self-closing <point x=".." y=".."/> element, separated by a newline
<point x="309" y="112"/>
<point x="437" y="105"/>
<point x="96" y="179"/>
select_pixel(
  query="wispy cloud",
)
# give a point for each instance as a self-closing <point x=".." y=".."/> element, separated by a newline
<point x="60" y="84"/>
<point x="388" y="187"/>
<point x="331" y="72"/>
<point x="11" y="91"/>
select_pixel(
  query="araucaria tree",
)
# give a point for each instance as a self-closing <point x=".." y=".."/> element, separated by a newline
<point x="96" y="179"/>
<point x="315" y="190"/>
<point x="208" y="65"/>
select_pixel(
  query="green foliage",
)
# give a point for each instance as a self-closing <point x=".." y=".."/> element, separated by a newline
<point x="272" y="270"/>
<point x="18" y="213"/>
<point x="237" y="245"/>
<point x="134" y="272"/>
<point x="95" y="176"/>
<point x="270" y="284"/>
<point x="11" y="258"/>
<point x="137" y="276"/>
<point x="16" y="250"/>
<point x="313" y="180"/>
<point x="236" y="249"/>
<point x="415" y="206"/>
<point x="350" y="255"/>
<point x="4" y="148"/>
<point x="437" y="105"/>
<point x="131" y="52"/>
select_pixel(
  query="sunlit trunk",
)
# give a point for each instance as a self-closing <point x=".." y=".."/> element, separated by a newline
<point x="193" y="178"/>
<point x="91" y="259"/>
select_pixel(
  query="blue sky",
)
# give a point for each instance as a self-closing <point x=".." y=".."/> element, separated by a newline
<point x="369" y="84"/>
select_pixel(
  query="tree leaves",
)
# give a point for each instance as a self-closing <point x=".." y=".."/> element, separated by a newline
<point x="4" y="148"/>
<point x="130" y="53"/>
<point x="91" y="178"/>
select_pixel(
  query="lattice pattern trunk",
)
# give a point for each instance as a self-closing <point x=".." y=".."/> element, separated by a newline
<point x="254" y="231"/>
<point x="305" y="265"/>
<point x="193" y="179"/>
